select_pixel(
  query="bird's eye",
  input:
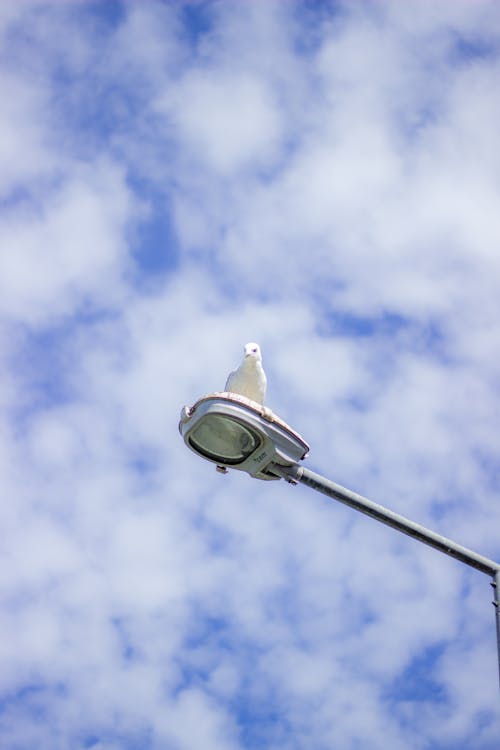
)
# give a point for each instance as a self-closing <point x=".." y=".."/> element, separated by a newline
<point x="254" y="349"/>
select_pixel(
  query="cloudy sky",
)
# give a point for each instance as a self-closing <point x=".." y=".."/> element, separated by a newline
<point x="179" y="178"/>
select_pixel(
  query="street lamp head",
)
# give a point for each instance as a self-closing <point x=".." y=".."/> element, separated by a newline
<point x="235" y="432"/>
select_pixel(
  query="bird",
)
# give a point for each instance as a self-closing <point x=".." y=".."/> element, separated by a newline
<point x="249" y="379"/>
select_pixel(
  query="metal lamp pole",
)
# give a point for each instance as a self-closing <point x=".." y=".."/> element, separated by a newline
<point x="296" y="473"/>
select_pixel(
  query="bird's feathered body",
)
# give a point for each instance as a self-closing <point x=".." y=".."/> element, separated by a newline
<point x="249" y="379"/>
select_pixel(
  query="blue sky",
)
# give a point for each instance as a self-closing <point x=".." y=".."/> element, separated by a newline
<point x="179" y="178"/>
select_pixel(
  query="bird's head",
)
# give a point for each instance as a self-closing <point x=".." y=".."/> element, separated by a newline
<point x="253" y="350"/>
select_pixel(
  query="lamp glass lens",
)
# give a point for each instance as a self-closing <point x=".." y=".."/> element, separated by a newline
<point x="223" y="439"/>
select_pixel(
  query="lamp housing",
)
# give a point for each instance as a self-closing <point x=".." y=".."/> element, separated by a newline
<point x="235" y="432"/>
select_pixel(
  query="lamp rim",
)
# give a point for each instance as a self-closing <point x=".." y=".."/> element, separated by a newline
<point x="254" y="407"/>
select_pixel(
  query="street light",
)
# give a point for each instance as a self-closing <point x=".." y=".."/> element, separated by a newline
<point x="234" y="432"/>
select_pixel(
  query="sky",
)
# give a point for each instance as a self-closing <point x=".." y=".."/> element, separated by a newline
<point x="179" y="178"/>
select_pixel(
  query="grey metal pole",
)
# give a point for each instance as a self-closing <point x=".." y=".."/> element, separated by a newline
<point x="496" y="604"/>
<point x="300" y="474"/>
<point x="368" y="507"/>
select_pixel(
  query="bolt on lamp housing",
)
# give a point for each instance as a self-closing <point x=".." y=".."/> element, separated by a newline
<point x="235" y="432"/>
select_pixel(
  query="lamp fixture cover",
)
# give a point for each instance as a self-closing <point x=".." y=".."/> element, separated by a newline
<point x="235" y="432"/>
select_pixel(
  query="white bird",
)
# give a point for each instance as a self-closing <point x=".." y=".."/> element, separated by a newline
<point x="249" y="379"/>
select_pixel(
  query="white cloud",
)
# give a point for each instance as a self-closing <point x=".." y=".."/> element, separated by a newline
<point x="23" y="153"/>
<point x="70" y="249"/>
<point x="227" y="121"/>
